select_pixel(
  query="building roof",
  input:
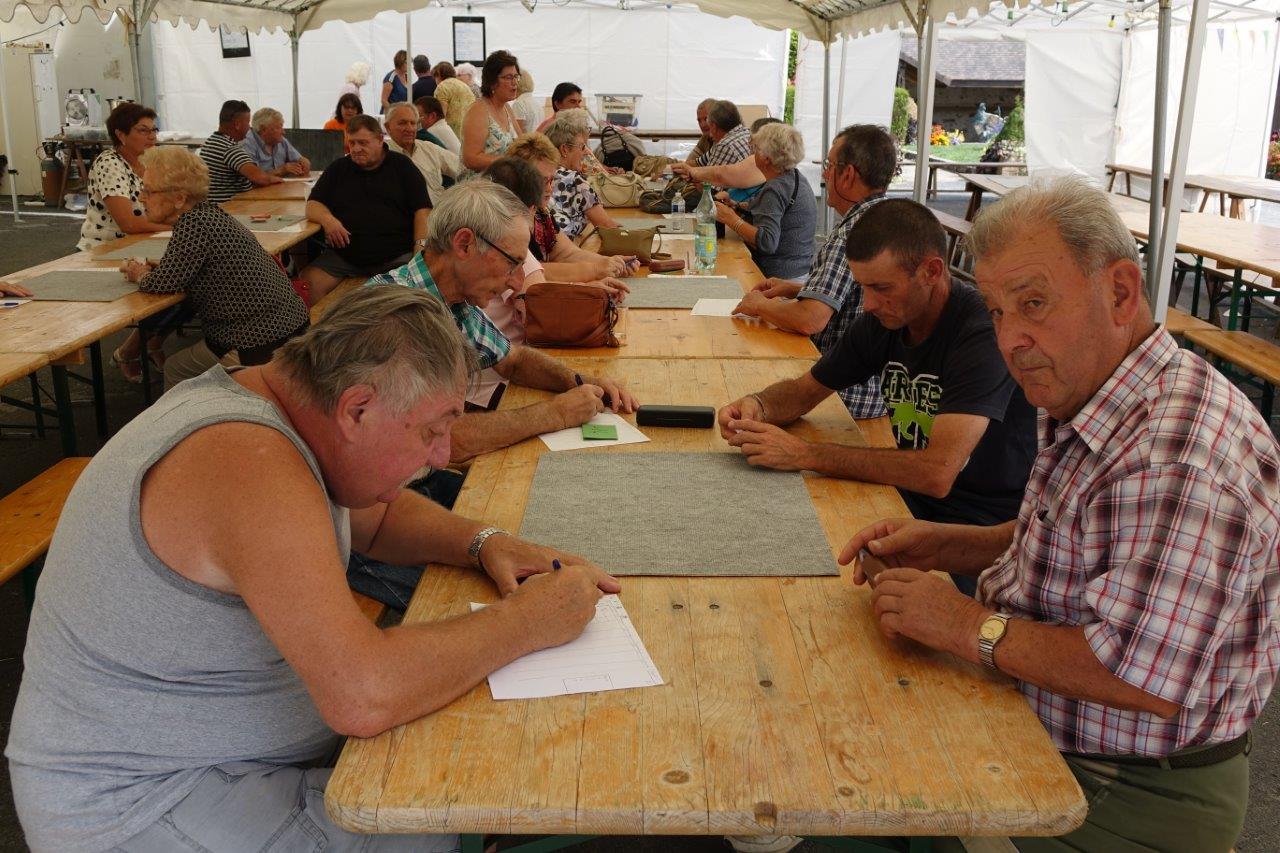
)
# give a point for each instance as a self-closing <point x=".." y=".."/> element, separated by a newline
<point x="973" y="63"/>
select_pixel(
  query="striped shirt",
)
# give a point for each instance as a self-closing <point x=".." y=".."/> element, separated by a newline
<point x="1152" y="520"/>
<point x="225" y="157"/>
<point x="831" y="283"/>
<point x="490" y="344"/>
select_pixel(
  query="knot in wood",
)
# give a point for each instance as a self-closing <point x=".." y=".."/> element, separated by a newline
<point x="675" y="777"/>
<point x="715" y="607"/>
<point x="844" y="791"/>
<point x="904" y="682"/>
<point x="766" y="683"/>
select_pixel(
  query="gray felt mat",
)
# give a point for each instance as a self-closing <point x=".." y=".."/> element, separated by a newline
<point x="152" y="247"/>
<point x="80" y="286"/>
<point x="275" y="223"/>
<point x="688" y="514"/>
<point x="668" y="292"/>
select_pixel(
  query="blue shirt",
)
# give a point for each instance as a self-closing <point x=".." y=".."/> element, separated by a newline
<point x="273" y="158"/>
<point x="490" y="344"/>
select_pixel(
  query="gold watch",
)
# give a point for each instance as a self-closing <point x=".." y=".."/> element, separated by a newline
<point x="991" y="632"/>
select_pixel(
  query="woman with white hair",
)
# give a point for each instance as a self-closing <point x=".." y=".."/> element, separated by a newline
<point x="528" y="111"/>
<point x="266" y="144"/>
<point x="244" y="300"/>
<point x="573" y="202"/>
<point x="357" y="76"/>
<point x="781" y="218"/>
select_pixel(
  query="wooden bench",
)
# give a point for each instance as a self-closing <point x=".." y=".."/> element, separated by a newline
<point x="28" y="517"/>
<point x="331" y="298"/>
<point x="1250" y="353"/>
<point x="371" y="608"/>
<point x="1178" y="322"/>
<point x="957" y="229"/>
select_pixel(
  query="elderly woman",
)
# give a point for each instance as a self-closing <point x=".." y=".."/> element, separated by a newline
<point x="573" y="202"/>
<point x="116" y="179"/>
<point x="241" y="294"/>
<point x="467" y="74"/>
<point x="395" y="85"/>
<point x="491" y="125"/>
<point x="783" y="214"/>
<point x="456" y="98"/>
<point x="528" y="111"/>
<point x="561" y="259"/>
<point x="266" y="144"/>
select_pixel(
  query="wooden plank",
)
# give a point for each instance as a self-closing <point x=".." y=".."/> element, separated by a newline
<point x="1248" y="352"/>
<point x="1178" y="322"/>
<point x="331" y="298"/>
<point x="784" y="710"/>
<point x="17" y="365"/>
<point x="29" y="515"/>
<point x="285" y="191"/>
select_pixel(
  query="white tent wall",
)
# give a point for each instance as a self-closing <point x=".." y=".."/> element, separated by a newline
<point x="871" y="69"/>
<point x="1072" y="83"/>
<point x="1235" y="93"/>
<point x="673" y="57"/>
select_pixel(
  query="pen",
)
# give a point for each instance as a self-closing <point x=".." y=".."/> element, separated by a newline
<point x="577" y="378"/>
<point x="555" y="565"/>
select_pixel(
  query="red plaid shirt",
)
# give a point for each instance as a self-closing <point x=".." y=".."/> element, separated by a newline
<point x="1152" y="519"/>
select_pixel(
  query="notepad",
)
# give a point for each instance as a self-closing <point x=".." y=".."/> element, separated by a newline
<point x="715" y="307"/>
<point x="573" y="439"/>
<point x="609" y="655"/>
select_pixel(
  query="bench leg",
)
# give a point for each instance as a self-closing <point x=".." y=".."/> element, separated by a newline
<point x="66" y="420"/>
<point x="36" y="409"/>
<point x="1233" y="313"/>
<point x="99" y="389"/>
<point x="30" y="577"/>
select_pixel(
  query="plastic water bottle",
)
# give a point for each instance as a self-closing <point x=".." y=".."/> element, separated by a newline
<point x="704" y="241"/>
<point x="677" y="204"/>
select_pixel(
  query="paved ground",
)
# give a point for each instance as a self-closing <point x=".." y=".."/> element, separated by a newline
<point x="22" y="456"/>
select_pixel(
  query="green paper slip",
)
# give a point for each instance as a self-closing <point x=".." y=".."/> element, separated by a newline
<point x="599" y="432"/>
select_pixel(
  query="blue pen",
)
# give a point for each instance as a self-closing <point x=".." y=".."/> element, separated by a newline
<point x="577" y="378"/>
<point x="555" y="565"/>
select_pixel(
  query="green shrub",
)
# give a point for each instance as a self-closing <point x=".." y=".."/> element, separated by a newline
<point x="789" y="108"/>
<point x="1013" y="130"/>
<point x="898" y="124"/>
<point x="793" y="50"/>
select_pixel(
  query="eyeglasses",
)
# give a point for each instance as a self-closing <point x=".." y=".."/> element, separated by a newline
<point x="827" y="165"/>
<point x="510" y="78"/>
<point x="515" y="262"/>
<point x="147" y="131"/>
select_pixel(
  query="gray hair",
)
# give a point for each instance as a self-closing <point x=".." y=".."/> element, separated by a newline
<point x="264" y="118"/>
<point x="780" y="144"/>
<point x="483" y="207"/>
<point x="178" y="169"/>
<point x="724" y="115"/>
<point x="1084" y="219"/>
<point x="400" y="340"/>
<point x="567" y="126"/>
<point x="400" y="106"/>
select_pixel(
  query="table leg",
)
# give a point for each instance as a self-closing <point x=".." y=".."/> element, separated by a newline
<point x="36" y="409"/>
<point x="1237" y="207"/>
<point x="1236" y="281"/>
<point x="66" y="420"/>
<point x="1111" y="179"/>
<point x="146" y="365"/>
<point x="1195" y="286"/>
<point x="99" y="389"/>
<point x="1128" y="184"/>
<point x="66" y="173"/>
<point x="975" y="202"/>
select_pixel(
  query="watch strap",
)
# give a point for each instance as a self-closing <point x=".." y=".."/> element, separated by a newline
<point x="473" y="550"/>
<point x="987" y="648"/>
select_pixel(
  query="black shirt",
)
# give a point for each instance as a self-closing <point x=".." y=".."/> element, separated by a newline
<point x="375" y="205"/>
<point x="422" y="87"/>
<point x="956" y="370"/>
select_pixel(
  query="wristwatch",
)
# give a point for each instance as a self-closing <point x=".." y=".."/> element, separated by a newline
<point x="991" y="632"/>
<point x="473" y="551"/>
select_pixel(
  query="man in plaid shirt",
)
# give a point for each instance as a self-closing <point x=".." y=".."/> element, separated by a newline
<point x="862" y="161"/>
<point x="730" y="139"/>
<point x="1136" y="597"/>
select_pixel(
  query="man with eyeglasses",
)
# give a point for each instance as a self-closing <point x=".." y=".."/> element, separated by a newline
<point x="475" y="249"/>
<point x="372" y="205"/>
<point x="862" y="161"/>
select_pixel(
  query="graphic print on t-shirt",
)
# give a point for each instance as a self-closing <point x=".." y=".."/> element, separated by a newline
<point x="912" y="403"/>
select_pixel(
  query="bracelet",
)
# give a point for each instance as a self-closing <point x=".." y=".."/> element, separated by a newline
<point x="760" y="403"/>
<point x="473" y="551"/>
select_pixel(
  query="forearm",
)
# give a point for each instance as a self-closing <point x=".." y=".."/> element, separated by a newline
<point x="561" y="271"/>
<point x="420" y="225"/>
<point x="483" y="432"/>
<point x="916" y="470"/>
<point x="477" y="161"/>
<point x="415" y="530"/>
<point x="318" y="213"/>
<point x="801" y="316"/>
<point x="745" y="230"/>
<point x="533" y="369"/>
<point x="786" y="401"/>
<point x="256" y="176"/>
<point x="600" y="217"/>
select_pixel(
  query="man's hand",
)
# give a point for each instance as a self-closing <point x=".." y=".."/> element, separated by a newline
<point x="682" y="170"/>
<point x="134" y="269"/>
<point x="769" y="446"/>
<point x="336" y="233"/>
<point x="899" y="542"/>
<point x="293" y="169"/>
<point x="775" y="288"/>
<point x="615" y="286"/>
<point x="751" y="304"/>
<point x="741" y="409"/>
<point x="507" y="559"/>
<point x="579" y="405"/>
<point x="929" y="609"/>
<point x="725" y="213"/>
<point x="558" y="605"/>
<point x="620" y="399"/>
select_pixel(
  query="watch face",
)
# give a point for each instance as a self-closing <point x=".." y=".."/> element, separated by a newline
<point x="992" y="629"/>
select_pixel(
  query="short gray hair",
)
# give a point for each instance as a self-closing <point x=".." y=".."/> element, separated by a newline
<point x="780" y="144"/>
<point x="724" y="115"/>
<point x="567" y="126"/>
<point x="401" y="341"/>
<point x="264" y="118"/>
<point x="398" y="107"/>
<point x="1084" y="219"/>
<point x="484" y="207"/>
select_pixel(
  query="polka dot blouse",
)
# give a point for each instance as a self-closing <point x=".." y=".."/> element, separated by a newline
<point x="109" y="176"/>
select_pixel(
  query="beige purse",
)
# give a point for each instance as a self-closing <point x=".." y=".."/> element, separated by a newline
<point x="637" y="242"/>
<point x="618" y="190"/>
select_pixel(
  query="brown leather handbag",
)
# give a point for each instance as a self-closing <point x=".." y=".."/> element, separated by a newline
<point x="561" y="314"/>
<point x="631" y="241"/>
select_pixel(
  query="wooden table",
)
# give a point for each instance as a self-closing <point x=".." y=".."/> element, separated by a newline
<point x="784" y="710"/>
<point x="285" y="191"/>
<point x="1237" y="188"/>
<point x="959" y="168"/>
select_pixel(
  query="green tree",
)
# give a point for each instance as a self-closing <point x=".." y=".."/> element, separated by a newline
<point x="1013" y="130"/>
<point x="793" y="51"/>
<point x="898" y="123"/>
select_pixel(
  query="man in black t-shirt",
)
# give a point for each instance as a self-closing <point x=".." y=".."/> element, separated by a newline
<point x="372" y="205"/>
<point x="965" y="433"/>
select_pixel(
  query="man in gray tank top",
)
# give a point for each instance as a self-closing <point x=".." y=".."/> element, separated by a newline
<point x="194" y="652"/>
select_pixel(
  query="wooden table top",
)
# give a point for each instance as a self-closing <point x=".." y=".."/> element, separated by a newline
<point x="15" y="365"/>
<point x="1234" y="186"/>
<point x="287" y="191"/>
<point x="784" y="710"/>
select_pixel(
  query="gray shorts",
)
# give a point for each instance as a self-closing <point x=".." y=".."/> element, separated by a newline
<point x="274" y="808"/>
<point x="338" y="267"/>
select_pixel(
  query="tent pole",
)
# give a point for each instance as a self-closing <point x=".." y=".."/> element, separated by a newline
<point x="293" y="48"/>
<point x="408" y="39"/>
<point x="926" y="40"/>
<point x="1157" y="193"/>
<point x="134" y="35"/>
<point x="1178" y="168"/>
<point x="844" y="55"/>
<point x="8" y="144"/>
<point x="826" y="119"/>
